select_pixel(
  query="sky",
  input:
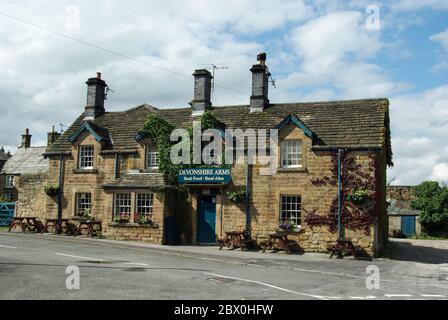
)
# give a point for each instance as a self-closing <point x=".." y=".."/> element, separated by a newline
<point x="147" y="51"/>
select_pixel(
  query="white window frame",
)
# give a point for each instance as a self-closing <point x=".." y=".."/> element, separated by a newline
<point x="9" y="181"/>
<point x="290" y="209"/>
<point x="144" y="203"/>
<point x="291" y="151"/>
<point x="83" y="201"/>
<point x="152" y="157"/>
<point x="123" y="200"/>
<point x="83" y="156"/>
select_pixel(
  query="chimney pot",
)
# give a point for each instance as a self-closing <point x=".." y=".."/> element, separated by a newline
<point x="202" y="92"/>
<point x="260" y="84"/>
<point x="52" y="136"/>
<point x="26" y="139"/>
<point x="96" y="94"/>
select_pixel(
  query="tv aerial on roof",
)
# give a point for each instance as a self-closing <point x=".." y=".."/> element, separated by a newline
<point x="215" y="67"/>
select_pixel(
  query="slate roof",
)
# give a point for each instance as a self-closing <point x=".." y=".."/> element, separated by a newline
<point x="137" y="180"/>
<point x="346" y="123"/>
<point x="27" y="161"/>
<point x="401" y="208"/>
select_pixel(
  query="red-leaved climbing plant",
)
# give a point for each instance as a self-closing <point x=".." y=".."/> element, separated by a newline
<point x="352" y="179"/>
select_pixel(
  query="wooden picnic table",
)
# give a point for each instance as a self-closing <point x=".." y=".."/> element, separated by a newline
<point x="235" y="239"/>
<point x="279" y="241"/>
<point x="59" y="225"/>
<point x="90" y="226"/>
<point x="30" y="223"/>
<point x="342" y="246"/>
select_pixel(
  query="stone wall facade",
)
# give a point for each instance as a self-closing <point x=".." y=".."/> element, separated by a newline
<point x="91" y="181"/>
<point x="32" y="199"/>
<point x="266" y="192"/>
<point x="400" y="192"/>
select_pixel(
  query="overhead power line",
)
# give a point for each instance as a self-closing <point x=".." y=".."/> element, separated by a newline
<point x="108" y="50"/>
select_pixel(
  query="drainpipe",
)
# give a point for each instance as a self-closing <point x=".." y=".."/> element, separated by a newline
<point x="248" y="220"/>
<point x="117" y="162"/>
<point x="340" y="235"/>
<point x="61" y="163"/>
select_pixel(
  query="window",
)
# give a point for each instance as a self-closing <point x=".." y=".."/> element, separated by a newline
<point x="291" y="154"/>
<point x="144" y="203"/>
<point x="86" y="157"/>
<point x="9" y="196"/>
<point x="9" y="181"/>
<point x="291" y="209"/>
<point x="152" y="157"/>
<point x="122" y="204"/>
<point x="83" y="203"/>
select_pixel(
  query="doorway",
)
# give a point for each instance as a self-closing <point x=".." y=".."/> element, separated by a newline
<point x="206" y="219"/>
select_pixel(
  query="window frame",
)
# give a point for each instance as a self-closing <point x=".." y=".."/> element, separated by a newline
<point x="287" y="143"/>
<point x="77" y="204"/>
<point x="150" y="154"/>
<point x="117" y="196"/>
<point x="145" y="206"/>
<point x="297" y="220"/>
<point x="9" y="196"/>
<point x="81" y="156"/>
<point x="9" y="181"/>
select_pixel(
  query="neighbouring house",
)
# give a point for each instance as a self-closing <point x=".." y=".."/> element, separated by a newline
<point x="3" y="158"/>
<point x="106" y="168"/>
<point x="403" y="220"/>
<point x="25" y="175"/>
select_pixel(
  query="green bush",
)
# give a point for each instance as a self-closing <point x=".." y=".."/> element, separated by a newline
<point x="432" y="199"/>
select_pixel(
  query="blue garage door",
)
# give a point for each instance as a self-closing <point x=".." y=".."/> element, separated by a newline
<point x="408" y="225"/>
<point x="206" y="220"/>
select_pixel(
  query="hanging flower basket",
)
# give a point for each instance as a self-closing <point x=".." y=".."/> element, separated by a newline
<point x="51" y="190"/>
<point x="358" y="197"/>
<point x="236" y="196"/>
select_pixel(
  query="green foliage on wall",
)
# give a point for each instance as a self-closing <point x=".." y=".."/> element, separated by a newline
<point x="159" y="130"/>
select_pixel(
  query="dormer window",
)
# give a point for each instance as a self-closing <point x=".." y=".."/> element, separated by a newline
<point x="86" y="157"/>
<point x="152" y="157"/>
<point x="291" y="155"/>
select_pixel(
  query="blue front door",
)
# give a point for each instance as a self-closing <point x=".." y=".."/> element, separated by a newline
<point x="206" y="219"/>
<point x="408" y="225"/>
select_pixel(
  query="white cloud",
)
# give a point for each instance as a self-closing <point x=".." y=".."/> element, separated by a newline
<point x="440" y="172"/>
<point x="415" y="5"/>
<point x="419" y="125"/>
<point x="442" y="39"/>
<point x="336" y="50"/>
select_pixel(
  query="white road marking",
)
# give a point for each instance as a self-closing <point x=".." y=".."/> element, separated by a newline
<point x="136" y="264"/>
<point x="271" y="286"/>
<point x="363" y="298"/>
<point x="9" y="247"/>
<point x="433" y="295"/>
<point x="78" y="257"/>
<point x="392" y="295"/>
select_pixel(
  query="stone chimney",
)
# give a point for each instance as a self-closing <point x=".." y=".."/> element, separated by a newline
<point x="202" y="92"/>
<point x="52" y="136"/>
<point x="26" y="139"/>
<point x="260" y="83"/>
<point x="96" y="94"/>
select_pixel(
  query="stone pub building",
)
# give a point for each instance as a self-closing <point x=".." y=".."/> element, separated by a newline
<point x="106" y="169"/>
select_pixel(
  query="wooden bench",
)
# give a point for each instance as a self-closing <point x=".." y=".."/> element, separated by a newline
<point x="279" y="241"/>
<point x="341" y="247"/>
<point x="236" y="239"/>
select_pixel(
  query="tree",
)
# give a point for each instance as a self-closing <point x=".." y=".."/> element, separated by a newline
<point x="432" y="199"/>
